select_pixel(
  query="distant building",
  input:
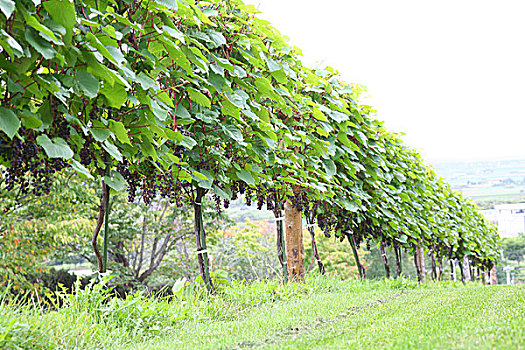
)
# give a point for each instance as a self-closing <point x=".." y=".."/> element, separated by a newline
<point x="508" y="218"/>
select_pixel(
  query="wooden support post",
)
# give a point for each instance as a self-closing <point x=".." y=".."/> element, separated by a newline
<point x="200" y="239"/>
<point x="281" y="252"/>
<point x="434" y="265"/>
<point x="385" y="259"/>
<point x="360" y="267"/>
<point x="311" y="230"/>
<point x="493" y="275"/>
<point x="420" y="257"/>
<point x="294" y="242"/>
<point x="397" y="251"/>
<point x="466" y="269"/>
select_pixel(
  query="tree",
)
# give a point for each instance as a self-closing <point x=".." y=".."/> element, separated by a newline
<point x="514" y="248"/>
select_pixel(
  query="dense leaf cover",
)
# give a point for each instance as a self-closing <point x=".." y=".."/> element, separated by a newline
<point x="179" y="98"/>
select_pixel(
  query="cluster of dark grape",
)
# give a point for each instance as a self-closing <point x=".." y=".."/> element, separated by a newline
<point x="297" y="200"/>
<point x="27" y="170"/>
<point x="132" y="178"/>
<point x="358" y="240"/>
<point x="344" y="221"/>
<point x="4" y="146"/>
<point x="326" y="220"/>
<point x="261" y="196"/>
<point x="93" y="111"/>
<point x="248" y="196"/>
<point x="217" y="201"/>
<point x="179" y="151"/>
<point x="166" y="185"/>
<point x="271" y="199"/>
<point x="149" y="189"/>
<point x="86" y="156"/>
<point x="203" y="165"/>
<point x="215" y="168"/>
<point x="235" y="190"/>
<point x="57" y="164"/>
<point x="171" y="189"/>
<point x="150" y="184"/>
<point x="310" y="209"/>
<point x="228" y="152"/>
<point x="61" y="127"/>
<point x="237" y="187"/>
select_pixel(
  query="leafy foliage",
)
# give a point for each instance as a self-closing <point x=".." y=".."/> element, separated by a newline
<point x="182" y="98"/>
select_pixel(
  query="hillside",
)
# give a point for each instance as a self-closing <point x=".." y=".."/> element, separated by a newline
<point x="323" y="313"/>
<point x="370" y="317"/>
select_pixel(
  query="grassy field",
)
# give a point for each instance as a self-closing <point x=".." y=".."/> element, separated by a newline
<point x="322" y="313"/>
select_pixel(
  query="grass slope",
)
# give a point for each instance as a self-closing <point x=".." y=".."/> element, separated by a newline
<point x="323" y="313"/>
<point x="434" y="318"/>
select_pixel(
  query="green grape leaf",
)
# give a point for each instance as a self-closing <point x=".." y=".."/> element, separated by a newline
<point x="246" y="176"/>
<point x="9" y="122"/>
<point x="120" y="131"/>
<point x="116" y="181"/>
<point x="174" y="32"/>
<point x="232" y="131"/>
<point x="188" y="142"/>
<point x="116" y="95"/>
<point x="112" y="150"/>
<point x="171" y="4"/>
<point x="62" y="12"/>
<point x="146" y="82"/>
<point x="7" y="7"/>
<point x="158" y="111"/>
<point x="80" y="169"/>
<point x="265" y="87"/>
<point x="205" y="181"/>
<point x="42" y="46"/>
<point x="329" y="167"/>
<point x="223" y="193"/>
<point x="56" y="148"/>
<point x="31" y="121"/>
<point x="236" y="99"/>
<point x="199" y="97"/>
<point x="87" y="83"/>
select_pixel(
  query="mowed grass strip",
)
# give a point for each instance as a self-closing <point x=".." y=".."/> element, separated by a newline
<point x="469" y="318"/>
<point x="479" y="317"/>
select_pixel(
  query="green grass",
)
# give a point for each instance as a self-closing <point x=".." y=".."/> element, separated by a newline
<point x="322" y="313"/>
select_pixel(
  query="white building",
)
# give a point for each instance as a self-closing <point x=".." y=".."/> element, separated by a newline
<point x="509" y="219"/>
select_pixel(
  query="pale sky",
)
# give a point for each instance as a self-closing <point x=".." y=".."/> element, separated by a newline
<point x="450" y="75"/>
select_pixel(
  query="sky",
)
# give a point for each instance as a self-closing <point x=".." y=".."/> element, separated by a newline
<point x="450" y="75"/>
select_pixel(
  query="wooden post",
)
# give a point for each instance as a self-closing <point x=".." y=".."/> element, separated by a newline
<point x="420" y="254"/>
<point x="462" y="272"/>
<point x="440" y="276"/>
<point x="466" y="269"/>
<point x="311" y="230"/>
<point x="416" y="265"/>
<point x="493" y="275"/>
<point x="360" y="267"/>
<point x="294" y="243"/>
<point x="397" y="250"/>
<point x="385" y="259"/>
<point x="434" y="265"/>
<point x="200" y="239"/>
<point x="281" y="253"/>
